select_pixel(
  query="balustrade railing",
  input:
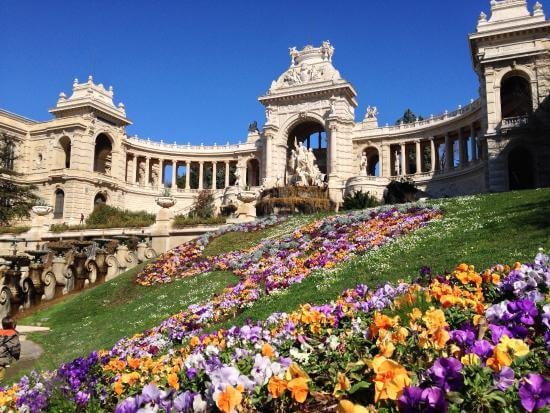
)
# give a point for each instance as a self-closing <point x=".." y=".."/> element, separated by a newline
<point x="188" y="147"/>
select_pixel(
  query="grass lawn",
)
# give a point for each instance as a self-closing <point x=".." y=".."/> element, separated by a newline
<point x="482" y="230"/>
<point x="97" y="318"/>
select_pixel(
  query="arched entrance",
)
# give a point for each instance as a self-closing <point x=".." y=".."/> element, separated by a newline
<point x="103" y="154"/>
<point x="59" y="204"/>
<point x="515" y="96"/>
<point x="520" y="169"/>
<point x="253" y="173"/>
<point x="313" y="137"/>
<point x="100" y="199"/>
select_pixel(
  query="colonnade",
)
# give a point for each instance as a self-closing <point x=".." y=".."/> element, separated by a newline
<point x="147" y="171"/>
<point x="442" y="148"/>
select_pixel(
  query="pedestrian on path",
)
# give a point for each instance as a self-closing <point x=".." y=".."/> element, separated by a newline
<point x="10" y="347"/>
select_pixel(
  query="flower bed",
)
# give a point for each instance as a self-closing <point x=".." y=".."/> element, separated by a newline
<point x="466" y="341"/>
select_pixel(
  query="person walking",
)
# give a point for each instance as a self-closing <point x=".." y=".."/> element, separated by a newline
<point x="81" y="218"/>
<point x="10" y="347"/>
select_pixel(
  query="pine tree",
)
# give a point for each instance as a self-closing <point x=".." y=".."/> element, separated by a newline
<point x="408" y="117"/>
<point x="16" y="199"/>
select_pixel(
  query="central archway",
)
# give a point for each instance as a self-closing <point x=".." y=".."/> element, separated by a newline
<point x="312" y="134"/>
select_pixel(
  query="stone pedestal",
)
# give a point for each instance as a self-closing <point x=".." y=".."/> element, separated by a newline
<point x="40" y="224"/>
<point x="246" y="210"/>
<point x="160" y="232"/>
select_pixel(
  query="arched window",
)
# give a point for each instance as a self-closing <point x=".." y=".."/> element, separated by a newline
<point x="59" y="203"/>
<point x="65" y="156"/>
<point x="515" y="97"/>
<point x="372" y="161"/>
<point x="103" y="154"/>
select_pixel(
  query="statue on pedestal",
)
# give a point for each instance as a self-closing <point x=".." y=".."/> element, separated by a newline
<point x="302" y="167"/>
<point x="141" y="173"/>
<point x="397" y="164"/>
<point x="363" y="168"/>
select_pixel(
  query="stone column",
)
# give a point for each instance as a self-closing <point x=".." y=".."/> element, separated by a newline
<point x="174" y="174"/>
<point x="448" y="153"/>
<point x="268" y="156"/>
<point x="332" y="161"/>
<point x="403" y="159"/>
<point x="226" y="174"/>
<point x="214" y="170"/>
<point x="473" y="144"/>
<point x="147" y="177"/>
<point x="187" y="174"/>
<point x="201" y="165"/>
<point x="418" y="157"/>
<point x="161" y="173"/>
<point x="134" y="170"/>
<point x="385" y="169"/>
<point x="432" y="154"/>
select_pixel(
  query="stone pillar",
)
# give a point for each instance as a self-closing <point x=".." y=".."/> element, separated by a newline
<point x="201" y="167"/>
<point x="214" y="170"/>
<point x="147" y="166"/>
<point x="332" y="155"/>
<point x="134" y="169"/>
<point x="403" y="159"/>
<point x="174" y="174"/>
<point x="432" y="154"/>
<point x="448" y="153"/>
<point x="385" y="169"/>
<point x="418" y="157"/>
<point x="473" y="143"/>
<point x="187" y="174"/>
<point x="268" y="158"/>
<point x="226" y="174"/>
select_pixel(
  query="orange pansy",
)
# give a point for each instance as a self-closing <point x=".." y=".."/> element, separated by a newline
<point x="299" y="389"/>
<point x="276" y="386"/>
<point x="229" y="399"/>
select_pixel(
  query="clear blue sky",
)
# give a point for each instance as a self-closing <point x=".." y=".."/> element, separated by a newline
<point x="192" y="70"/>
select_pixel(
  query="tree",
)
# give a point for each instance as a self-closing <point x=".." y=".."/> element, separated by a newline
<point x="408" y="117"/>
<point x="16" y="199"/>
<point x="204" y="205"/>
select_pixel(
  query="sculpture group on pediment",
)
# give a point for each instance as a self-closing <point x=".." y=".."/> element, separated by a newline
<point x="372" y="112"/>
<point x="302" y="167"/>
<point x="303" y="74"/>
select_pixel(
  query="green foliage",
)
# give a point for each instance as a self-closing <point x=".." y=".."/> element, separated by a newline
<point x="204" y="205"/>
<point x="359" y="200"/>
<point x="105" y="216"/>
<point x="408" y="117"/>
<point x="399" y="192"/>
<point x="182" y="221"/>
<point x="16" y="199"/>
<point x="13" y="230"/>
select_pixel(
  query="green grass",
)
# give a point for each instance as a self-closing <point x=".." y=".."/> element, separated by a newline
<point x="97" y="318"/>
<point x="482" y="230"/>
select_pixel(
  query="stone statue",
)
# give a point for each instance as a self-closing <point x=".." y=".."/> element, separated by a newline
<point x="327" y="50"/>
<point x="397" y="164"/>
<point x="141" y="173"/>
<point x="155" y="174"/>
<point x="364" y="165"/>
<point x="372" y="112"/>
<point x="108" y="164"/>
<point x="302" y="167"/>
<point x="293" y="54"/>
<point x="237" y="175"/>
<point x="253" y="127"/>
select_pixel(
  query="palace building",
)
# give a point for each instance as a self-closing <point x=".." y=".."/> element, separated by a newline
<point x="498" y="142"/>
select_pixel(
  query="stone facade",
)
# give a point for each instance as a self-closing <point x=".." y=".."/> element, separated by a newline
<point x="84" y="156"/>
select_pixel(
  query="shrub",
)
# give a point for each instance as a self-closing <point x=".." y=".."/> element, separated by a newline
<point x="13" y="230"/>
<point x="204" y="205"/>
<point x="182" y="221"/>
<point x="105" y="216"/>
<point x="399" y="192"/>
<point x="359" y="200"/>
